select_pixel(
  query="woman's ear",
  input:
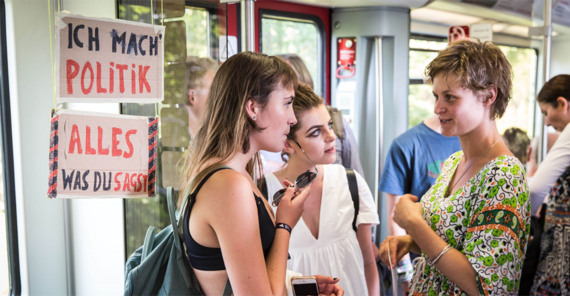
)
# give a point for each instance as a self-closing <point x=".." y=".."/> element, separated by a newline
<point x="563" y="104"/>
<point x="191" y="99"/>
<point x="288" y="148"/>
<point x="251" y="109"/>
<point x="490" y="95"/>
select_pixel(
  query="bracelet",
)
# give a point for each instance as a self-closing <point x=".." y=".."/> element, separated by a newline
<point x="449" y="247"/>
<point x="284" y="226"/>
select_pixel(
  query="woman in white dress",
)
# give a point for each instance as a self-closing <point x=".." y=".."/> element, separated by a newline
<point x="327" y="243"/>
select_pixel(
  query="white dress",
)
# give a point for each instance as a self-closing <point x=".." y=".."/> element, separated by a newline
<point x="336" y="253"/>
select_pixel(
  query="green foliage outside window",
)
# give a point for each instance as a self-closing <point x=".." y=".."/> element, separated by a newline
<point x="291" y="37"/>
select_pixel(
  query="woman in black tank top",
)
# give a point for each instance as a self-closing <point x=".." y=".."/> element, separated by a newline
<point x="228" y="229"/>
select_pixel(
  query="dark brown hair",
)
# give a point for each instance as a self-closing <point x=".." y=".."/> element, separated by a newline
<point x="517" y="141"/>
<point x="226" y="128"/>
<point x="478" y="65"/>
<point x="305" y="100"/>
<point x="558" y="86"/>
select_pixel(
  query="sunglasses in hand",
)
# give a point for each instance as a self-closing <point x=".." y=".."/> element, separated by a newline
<point x="301" y="182"/>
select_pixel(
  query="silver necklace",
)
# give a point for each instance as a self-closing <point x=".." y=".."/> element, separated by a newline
<point x="455" y="183"/>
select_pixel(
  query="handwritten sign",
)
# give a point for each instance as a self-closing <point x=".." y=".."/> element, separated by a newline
<point x="102" y="155"/>
<point x="108" y="60"/>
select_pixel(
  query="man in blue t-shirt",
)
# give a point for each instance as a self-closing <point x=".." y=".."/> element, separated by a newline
<point x="412" y="165"/>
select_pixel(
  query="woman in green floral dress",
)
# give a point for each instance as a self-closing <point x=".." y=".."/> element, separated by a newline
<point x="471" y="227"/>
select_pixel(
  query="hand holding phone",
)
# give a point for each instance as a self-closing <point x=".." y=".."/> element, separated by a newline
<point x="305" y="286"/>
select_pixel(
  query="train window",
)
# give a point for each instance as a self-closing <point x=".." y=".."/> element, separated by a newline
<point x="520" y="112"/>
<point x="9" y="259"/>
<point x="303" y="35"/>
<point x="191" y="56"/>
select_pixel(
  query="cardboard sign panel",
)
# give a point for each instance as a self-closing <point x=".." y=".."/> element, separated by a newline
<point x="102" y="155"/>
<point x="108" y="60"/>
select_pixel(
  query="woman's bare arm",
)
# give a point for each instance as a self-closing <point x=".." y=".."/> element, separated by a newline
<point x="234" y="219"/>
<point x="364" y="235"/>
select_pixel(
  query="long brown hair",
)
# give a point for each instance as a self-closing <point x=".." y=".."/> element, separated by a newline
<point x="226" y="126"/>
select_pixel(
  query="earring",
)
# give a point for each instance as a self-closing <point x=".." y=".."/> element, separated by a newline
<point x="254" y="117"/>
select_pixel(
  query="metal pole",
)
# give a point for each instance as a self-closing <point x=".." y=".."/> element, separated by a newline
<point x="248" y="24"/>
<point x="69" y="254"/>
<point x="543" y="140"/>
<point x="379" y="125"/>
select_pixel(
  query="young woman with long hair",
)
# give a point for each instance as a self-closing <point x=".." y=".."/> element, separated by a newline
<point x="228" y="229"/>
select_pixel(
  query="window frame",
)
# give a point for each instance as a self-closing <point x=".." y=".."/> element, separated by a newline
<point x="8" y="164"/>
<point x="301" y="18"/>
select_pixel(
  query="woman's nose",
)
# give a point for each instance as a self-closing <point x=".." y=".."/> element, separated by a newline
<point x="438" y="108"/>
<point x="331" y="136"/>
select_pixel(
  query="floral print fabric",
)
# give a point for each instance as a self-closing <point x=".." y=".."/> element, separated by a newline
<point x="553" y="271"/>
<point x="487" y="220"/>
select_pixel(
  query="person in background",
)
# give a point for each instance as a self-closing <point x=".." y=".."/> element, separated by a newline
<point x="517" y="141"/>
<point x="327" y="239"/>
<point x="550" y="185"/>
<point x="345" y="143"/>
<point x="201" y="73"/>
<point x="412" y="165"/>
<point x="532" y="154"/>
<point x="553" y="102"/>
<point x="472" y="225"/>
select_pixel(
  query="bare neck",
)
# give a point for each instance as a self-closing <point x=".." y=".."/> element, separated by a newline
<point x="193" y="120"/>
<point x="479" y="140"/>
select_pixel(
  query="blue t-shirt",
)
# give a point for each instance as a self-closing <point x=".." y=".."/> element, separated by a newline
<point x="415" y="160"/>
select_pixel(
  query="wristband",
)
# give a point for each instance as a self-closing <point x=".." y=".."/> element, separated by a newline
<point x="284" y="226"/>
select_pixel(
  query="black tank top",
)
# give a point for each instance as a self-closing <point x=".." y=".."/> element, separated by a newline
<point x="205" y="258"/>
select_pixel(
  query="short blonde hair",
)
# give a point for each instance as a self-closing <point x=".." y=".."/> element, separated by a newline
<point x="478" y="65"/>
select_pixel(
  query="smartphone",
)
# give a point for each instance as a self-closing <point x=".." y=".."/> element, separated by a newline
<point x="305" y="286"/>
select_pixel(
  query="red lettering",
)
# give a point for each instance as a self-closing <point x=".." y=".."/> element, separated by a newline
<point x="129" y="144"/>
<point x="88" y="149"/>
<point x="100" y="89"/>
<point x="142" y="79"/>
<point x="134" y="181"/>
<point x="117" y="181"/>
<point x="126" y="184"/>
<point x="86" y="67"/>
<point x="111" y="79"/>
<point x="145" y="177"/>
<point x="133" y="81"/>
<point x="122" y="77"/>
<point x="139" y="188"/>
<point x="100" y="149"/>
<point x="72" y="70"/>
<point x="75" y="140"/>
<point x="115" y="143"/>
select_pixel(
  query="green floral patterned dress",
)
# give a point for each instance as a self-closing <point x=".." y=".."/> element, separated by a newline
<point x="487" y="220"/>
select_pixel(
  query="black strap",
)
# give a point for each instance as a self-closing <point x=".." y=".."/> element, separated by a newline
<point x="353" y="187"/>
<point x="208" y="177"/>
<point x="263" y="188"/>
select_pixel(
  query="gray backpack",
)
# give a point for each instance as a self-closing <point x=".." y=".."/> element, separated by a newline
<point x="160" y="266"/>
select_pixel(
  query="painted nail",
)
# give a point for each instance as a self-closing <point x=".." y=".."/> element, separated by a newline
<point x="292" y="185"/>
<point x="334" y="279"/>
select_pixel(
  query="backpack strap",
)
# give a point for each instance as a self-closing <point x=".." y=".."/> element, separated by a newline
<point x="353" y="187"/>
<point x="228" y="291"/>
